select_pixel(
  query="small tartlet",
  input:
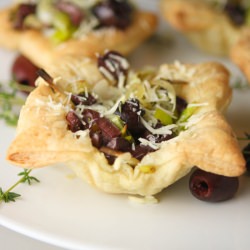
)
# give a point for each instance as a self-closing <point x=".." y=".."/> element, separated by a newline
<point x="210" y="29"/>
<point x="38" y="47"/>
<point x="43" y="137"/>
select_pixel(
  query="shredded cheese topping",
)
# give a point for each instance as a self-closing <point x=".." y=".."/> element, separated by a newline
<point x="152" y="89"/>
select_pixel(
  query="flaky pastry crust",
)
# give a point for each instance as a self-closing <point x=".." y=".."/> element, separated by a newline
<point x="43" y="53"/>
<point x="208" y="142"/>
<point x="240" y="53"/>
<point x="207" y="28"/>
<point x="210" y="30"/>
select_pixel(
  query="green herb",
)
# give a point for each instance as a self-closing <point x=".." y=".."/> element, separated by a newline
<point x="11" y="102"/>
<point x="163" y="116"/>
<point x="240" y="84"/>
<point x="7" y="196"/>
<point x="187" y="113"/>
<point x="246" y="138"/>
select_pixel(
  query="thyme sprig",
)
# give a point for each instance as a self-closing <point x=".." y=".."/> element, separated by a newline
<point x="8" y="195"/>
<point x="240" y="84"/>
<point x="11" y="101"/>
<point x="246" y="138"/>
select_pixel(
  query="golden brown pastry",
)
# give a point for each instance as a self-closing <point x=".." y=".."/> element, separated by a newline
<point x="125" y="131"/>
<point x="45" y="31"/>
<point x="219" y="27"/>
<point x="240" y="53"/>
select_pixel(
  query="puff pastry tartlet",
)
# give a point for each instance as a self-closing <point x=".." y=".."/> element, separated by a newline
<point x="216" y="26"/>
<point x="45" y="30"/>
<point x="125" y="131"/>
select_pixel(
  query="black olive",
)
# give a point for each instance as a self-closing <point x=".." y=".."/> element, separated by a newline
<point x="113" y="13"/>
<point x="130" y="112"/>
<point x="181" y="104"/>
<point x="74" y="122"/>
<point x="140" y="151"/>
<point x="114" y="63"/>
<point x="110" y="158"/>
<point x="108" y="128"/>
<point x="24" y="71"/>
<point x="83" y="99"/>
<point x="212" y="187"/>
<point x="96" y="138"/>
<point x="236" y="13"/>
<point x="90" y="118"/>
<point x="23" y="10"/>
<point x="246" y="154"/>
<point x="119" y="144"/>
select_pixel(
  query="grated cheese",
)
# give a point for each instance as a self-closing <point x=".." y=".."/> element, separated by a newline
<point x="115" y="107"/>
<point x="149" y="199"/>
<point x="159" y="131"/>
<point x="124" y="63"/>
<point x="106" y="73"/>
<point x="151" y="144"/>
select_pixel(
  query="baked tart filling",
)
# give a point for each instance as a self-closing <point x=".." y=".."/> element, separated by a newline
<point x="63" y="19"/>
<point x="142" y="112"/>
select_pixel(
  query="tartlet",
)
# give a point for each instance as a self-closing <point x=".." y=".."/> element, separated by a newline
<point x="176" y="139"/>
<point x="43" y="37"/>
<point x="218" y="27"/>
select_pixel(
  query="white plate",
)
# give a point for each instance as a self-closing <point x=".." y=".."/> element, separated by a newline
<point x="67" y="212"/>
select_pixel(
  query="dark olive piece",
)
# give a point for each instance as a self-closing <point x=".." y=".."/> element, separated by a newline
<point x="130" y="112"/>
<point x="83" y="99"/>
<point x="108" y="128"/>
<point x="23" y="10"/>
<point x="110" y="158"/>
<point x="96" y="138"/>
<point x="74" y="12"/>
<point x="236" y="13"/>
<point x="246" y="154"/>
<point x="212" y="187"/>
<point x="24" y="71"/>
<point x="113" y="13"/>
<point x="140" y="151"/>
<point x="90" y="117"/>
<point x="74" y="122"/>
<point x="114" y="63"/>
<point x="181" y="104"/>
<point x="119" y="144"/>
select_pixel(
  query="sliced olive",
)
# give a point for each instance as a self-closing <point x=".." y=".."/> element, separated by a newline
<point x="212" y="187"/>
<point x="23" y="10"/>
<point x="24" y="71"/>
<point x="113" y="13"/>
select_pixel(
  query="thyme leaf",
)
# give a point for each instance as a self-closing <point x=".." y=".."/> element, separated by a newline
<point x="26" y="177"/>
<point x="8" y="195"/>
